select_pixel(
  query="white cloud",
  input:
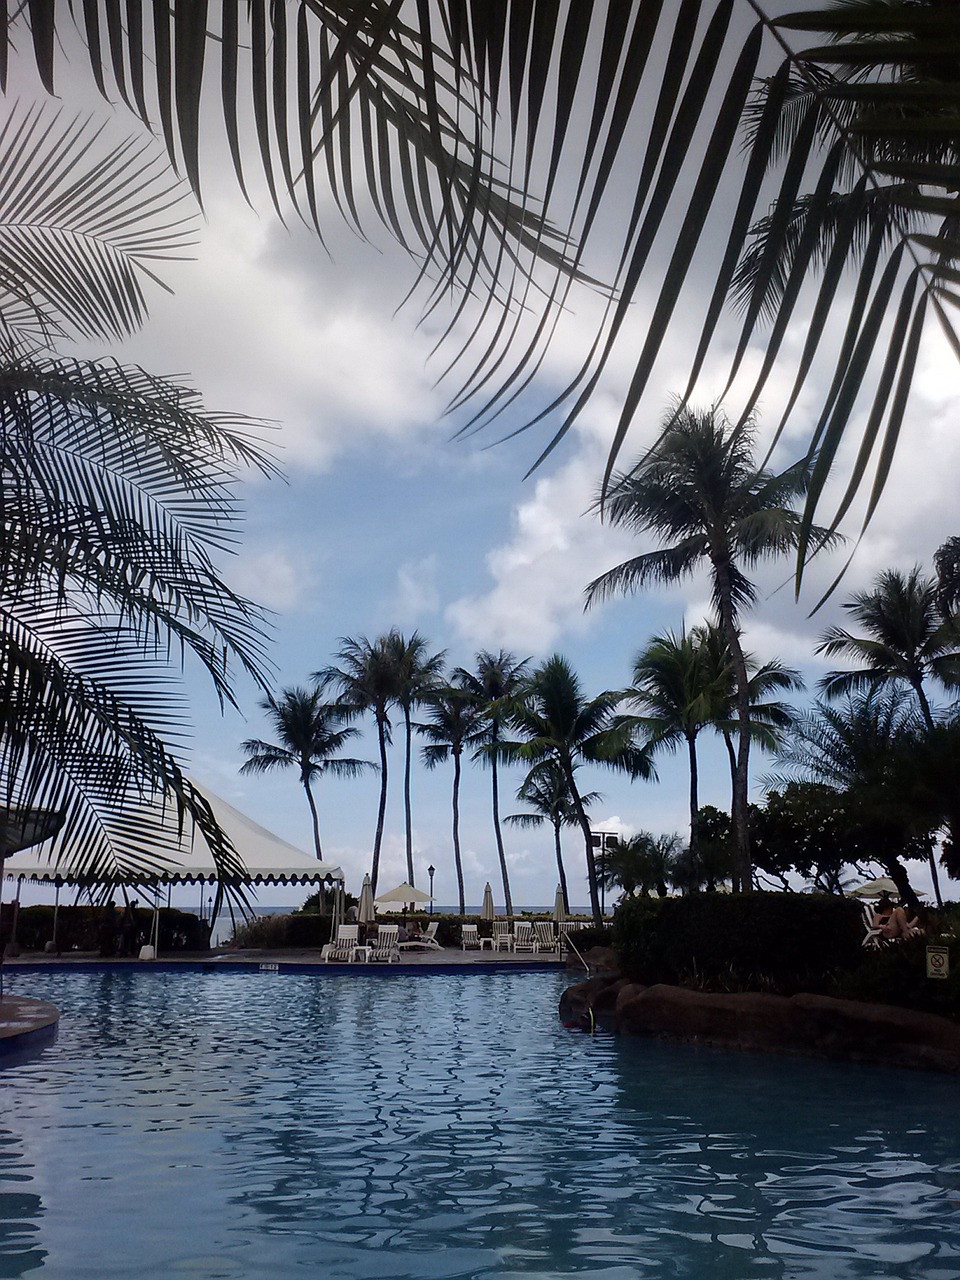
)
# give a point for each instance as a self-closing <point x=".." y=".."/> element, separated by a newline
<point x="274" y="577"/>
<point x="417" y="595"/>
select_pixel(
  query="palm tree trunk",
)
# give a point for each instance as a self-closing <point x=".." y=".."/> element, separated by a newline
<point x="316" y="821"/>
<point x="456" y="831"/>
<point x="742" y="871"/>
<point x="382" y="809"/>
<point x="406" y="794"/>
<point x="508" y="900"/>
<point x="694" y="804"/>
<point x="928" y="721"/>
<point x="560" y="871"/>
<point x="584" y="822"/>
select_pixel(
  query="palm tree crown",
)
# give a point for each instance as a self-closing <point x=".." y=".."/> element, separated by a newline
<point x="906" y="639"/>
<point x="310" y="734"/>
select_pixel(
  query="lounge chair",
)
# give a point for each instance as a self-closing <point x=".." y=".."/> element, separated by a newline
<point x="424" y="941"/>
<point x="386" y="944"/>
<point x="469" y="938"/>
<point x="344" y="946"/>
<point x="546" y="939"/>
<point x="502" y="935"/>
<point x="872" y="934"/>
<point x="430" y="936"/>
<point x="524" y="939"/>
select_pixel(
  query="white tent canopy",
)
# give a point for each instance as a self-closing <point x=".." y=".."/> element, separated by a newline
<point x="267" y="858"/>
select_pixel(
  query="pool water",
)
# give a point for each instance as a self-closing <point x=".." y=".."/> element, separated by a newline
<point x="359" y="1127"/>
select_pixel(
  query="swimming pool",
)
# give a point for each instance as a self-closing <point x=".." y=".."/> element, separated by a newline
<point x="446" y="1126"/>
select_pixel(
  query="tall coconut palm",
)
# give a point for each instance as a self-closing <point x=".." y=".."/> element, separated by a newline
<point x="494" y="681"/>
<point x="310" y="734"/>
<point x="456" y="723"/>
<point x="545" y="790"/>
<point x="418" y="672"/>
<point x="558" y="723"/>
<point x="461" y="107"/>
<point x="906" y="639"/>
<point x="367" y="679"/>
<point x="700" y="492"/>
<point x="641" y="864"/>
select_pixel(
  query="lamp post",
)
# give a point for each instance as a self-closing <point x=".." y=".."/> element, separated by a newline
<point x="599" y="840"/>
<point x="431" y="872"/>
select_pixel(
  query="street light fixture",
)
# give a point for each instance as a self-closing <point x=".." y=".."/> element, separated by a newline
<point x="431" y="871"/>
<point x="600" y="840"/>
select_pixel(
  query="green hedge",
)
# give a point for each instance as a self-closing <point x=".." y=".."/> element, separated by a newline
<point x="786" y="942"/>
<point x="897" y="974"/>
<point x="81" y="929"/>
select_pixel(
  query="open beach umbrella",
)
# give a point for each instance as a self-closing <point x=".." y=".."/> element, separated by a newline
<point x="366" y="913"/>
<point x="559" y="914"/>
<point x="404" y="895"/>
<point x="486" y="911"/>
<point x="874" y="888"/>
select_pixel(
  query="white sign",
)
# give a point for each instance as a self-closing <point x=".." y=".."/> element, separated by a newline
<point x="938" y="962"/>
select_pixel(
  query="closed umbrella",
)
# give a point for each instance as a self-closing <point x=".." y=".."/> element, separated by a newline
<point x="486" y="911"/>
<point x="365" y="909"/>
<point x="336" y="911"/>
<point x="559" y="913"/>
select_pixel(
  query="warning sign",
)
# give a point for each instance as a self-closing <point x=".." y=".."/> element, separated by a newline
<point x="938" y="962"/>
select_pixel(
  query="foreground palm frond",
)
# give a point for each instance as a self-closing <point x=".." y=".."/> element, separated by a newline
<point x="118" y="494"/>
<point x="496" y="140"/>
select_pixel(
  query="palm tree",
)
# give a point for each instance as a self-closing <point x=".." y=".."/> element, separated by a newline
<point x="559" y="724"/>
<point x="417" y="674"/>
<point x="494" y="681"/>
<point x="367" y="678"/>
<point x="906" y="639"/>
<point x="460" y="106"/>
<point x="310" y="734"/>
<point x="700" y="492"/>
<point x="680" y="688"/>
<point x="545" y="789"/>
<point x="455" y="724"/>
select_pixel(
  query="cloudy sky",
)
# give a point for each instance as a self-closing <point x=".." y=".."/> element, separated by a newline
<point x="385" y="520"/>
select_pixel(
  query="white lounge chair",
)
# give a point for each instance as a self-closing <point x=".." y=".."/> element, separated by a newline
<point x="524" y="939"/>
<point x="872" y="932"/>
<point x="502" y="935"/>
<point x="430" y="936"/>
<point x="386" y="944"/>
<point x="469" y="938"/>
<point x="344" y="946"/>
<point x="546" y="939"/>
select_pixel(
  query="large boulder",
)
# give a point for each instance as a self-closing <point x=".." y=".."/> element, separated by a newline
<point x="818" y="1026"/>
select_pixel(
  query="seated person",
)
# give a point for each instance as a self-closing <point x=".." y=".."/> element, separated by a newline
<point x="414" y="932"/>
<point x="892" y="920"/>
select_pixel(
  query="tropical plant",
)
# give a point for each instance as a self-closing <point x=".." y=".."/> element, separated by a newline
<point x="494" y="681"/>
<point x="456" y="723"/>
<point x="946" y="562"/>
<point x="310" y="735"/>
<point x="119" y="496"/>
<point x="906" y="640"/>
<point x="545" y="790"/>
<point x="560" y="724"/>
<point x="641" y="864"/>
<point x="417" y="674"/>
<point x="459" y="107"/>
<point x="701" y="493"/>
<point x="854" y="749"/>
<point x="367" y="678"/>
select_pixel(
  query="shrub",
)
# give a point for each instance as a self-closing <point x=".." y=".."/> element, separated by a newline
<point x="78" y="928"/>
<point x="897" y="974"/>
<point x="786" y="942"/>
<point x="278" y="931"/>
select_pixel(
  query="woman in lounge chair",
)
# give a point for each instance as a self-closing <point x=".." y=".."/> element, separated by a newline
<point x="892" y="920"/>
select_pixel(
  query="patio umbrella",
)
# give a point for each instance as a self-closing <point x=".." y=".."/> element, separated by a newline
<point x="404" y="895"/>
<point x="559" y="914"/>
<point x="874" y="888"/>
<point x="365" y="909"/>
<point x="486" y="911"/>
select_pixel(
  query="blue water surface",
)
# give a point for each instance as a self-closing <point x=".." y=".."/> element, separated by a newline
<point x="359" y="1127"/>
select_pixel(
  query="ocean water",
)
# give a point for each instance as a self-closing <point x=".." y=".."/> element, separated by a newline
<point x="365" y="1126"/>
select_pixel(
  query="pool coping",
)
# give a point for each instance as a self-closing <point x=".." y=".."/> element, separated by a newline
<point x="26" y="1023"/>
